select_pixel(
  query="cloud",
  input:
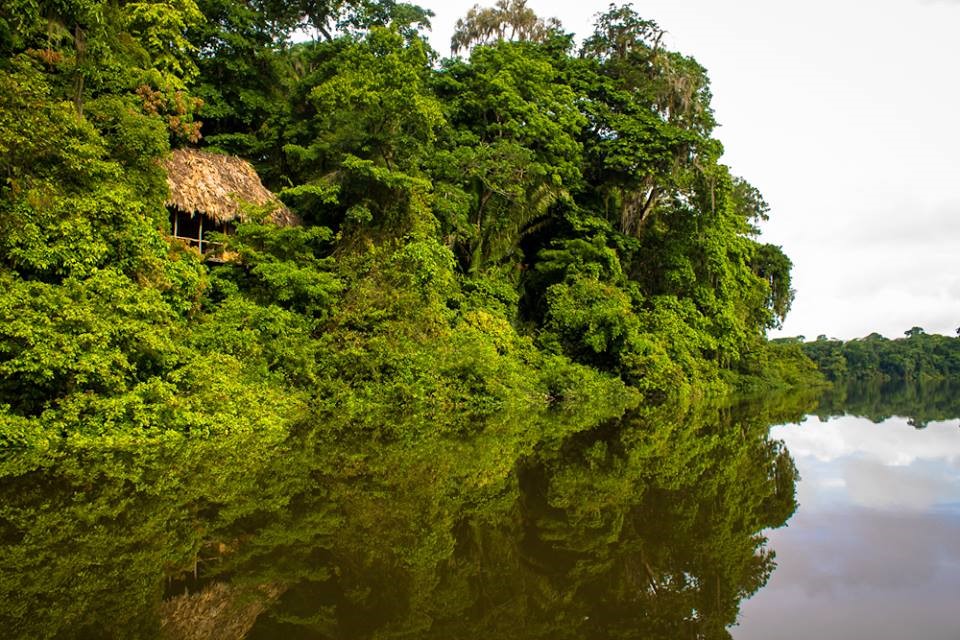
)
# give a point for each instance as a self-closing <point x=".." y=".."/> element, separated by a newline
<point x="906" y="224"/>
<point x="850" y="293"/>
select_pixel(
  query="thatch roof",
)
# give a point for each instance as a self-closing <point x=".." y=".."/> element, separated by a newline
<point x="218" y="186"/>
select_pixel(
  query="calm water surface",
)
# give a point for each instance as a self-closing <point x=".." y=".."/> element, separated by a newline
<point x="874" y="548"/>
<point x="660" y="525"/>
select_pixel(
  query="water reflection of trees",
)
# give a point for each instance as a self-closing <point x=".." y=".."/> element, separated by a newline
<point x="525" y="527"/>
<point x="919" y="402"/>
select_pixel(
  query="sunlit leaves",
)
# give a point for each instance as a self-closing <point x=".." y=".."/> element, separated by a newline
<point x="373" y="102"/>
<point x="100" y="334"/>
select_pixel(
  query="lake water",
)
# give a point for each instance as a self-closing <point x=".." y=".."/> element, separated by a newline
<point x="663" y="524"/>
<point x="874" y="548"/>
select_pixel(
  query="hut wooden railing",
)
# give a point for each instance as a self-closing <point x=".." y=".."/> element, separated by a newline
<point x="192" y="230"/>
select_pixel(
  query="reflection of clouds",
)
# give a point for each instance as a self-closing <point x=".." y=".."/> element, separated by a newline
<point x="791" y="615"/>
<point x="821" y="485"/>
<point x="874" y="549"/>
<point x="894" y="443"/>
<point x="852" y="461"/>
<point x="859" y="573"/>
<point x="871" y="484"/>
<point x="864" y="549"/>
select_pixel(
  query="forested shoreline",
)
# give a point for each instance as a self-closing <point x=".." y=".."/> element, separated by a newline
<point x="531" y="223"/>
<point x="917" y="357"/>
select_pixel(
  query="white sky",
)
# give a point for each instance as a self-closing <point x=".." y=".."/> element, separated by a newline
<point x="846" y="115"/>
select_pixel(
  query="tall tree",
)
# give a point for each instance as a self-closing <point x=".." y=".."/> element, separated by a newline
<point x="507" y="20"/>
<point x="512" y="150"/>
<point x="650" y="117"/>
<point x="364" y="127"/>
<point x="97" y="46"/>
<point x="249" y="65"/>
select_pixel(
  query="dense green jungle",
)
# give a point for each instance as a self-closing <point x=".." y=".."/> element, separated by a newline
<point x="490" y="380"/>
<point x="528" y="223"/>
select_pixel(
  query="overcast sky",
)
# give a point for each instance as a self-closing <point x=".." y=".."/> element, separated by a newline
<point x="846" y="115"/>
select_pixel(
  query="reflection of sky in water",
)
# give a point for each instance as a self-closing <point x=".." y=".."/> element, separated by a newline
<point x="874" y="549"/>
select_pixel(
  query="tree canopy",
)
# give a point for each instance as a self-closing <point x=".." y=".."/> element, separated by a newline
<point x="507" y="20"/>
<point x="519" y="224"/>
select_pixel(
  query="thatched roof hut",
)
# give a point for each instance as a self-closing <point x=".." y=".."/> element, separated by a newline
<point x="218" y="186"/>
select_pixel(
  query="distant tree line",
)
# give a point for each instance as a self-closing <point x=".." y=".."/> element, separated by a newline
<point x="918" y="356"/>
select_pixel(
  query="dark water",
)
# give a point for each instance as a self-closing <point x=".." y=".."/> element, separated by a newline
<point x="522" y="526"/>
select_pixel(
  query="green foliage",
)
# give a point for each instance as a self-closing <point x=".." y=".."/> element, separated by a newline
<point x="770" y="263"/>
<point x="511" y="151"/>
<point x="586" y="314"/>
<point x="98" y="334"/>
<point x="93" y="47"/>
<point x="529" y="524"/>
<point x="373" y="100"/>
<point x="367" y="98"/>
<point x="160" y="26"/>
<point x="916" y="357"/>
<point x="289" y="267"/>
<point x="390" y="419"/>
<point x="530" y="226"/>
